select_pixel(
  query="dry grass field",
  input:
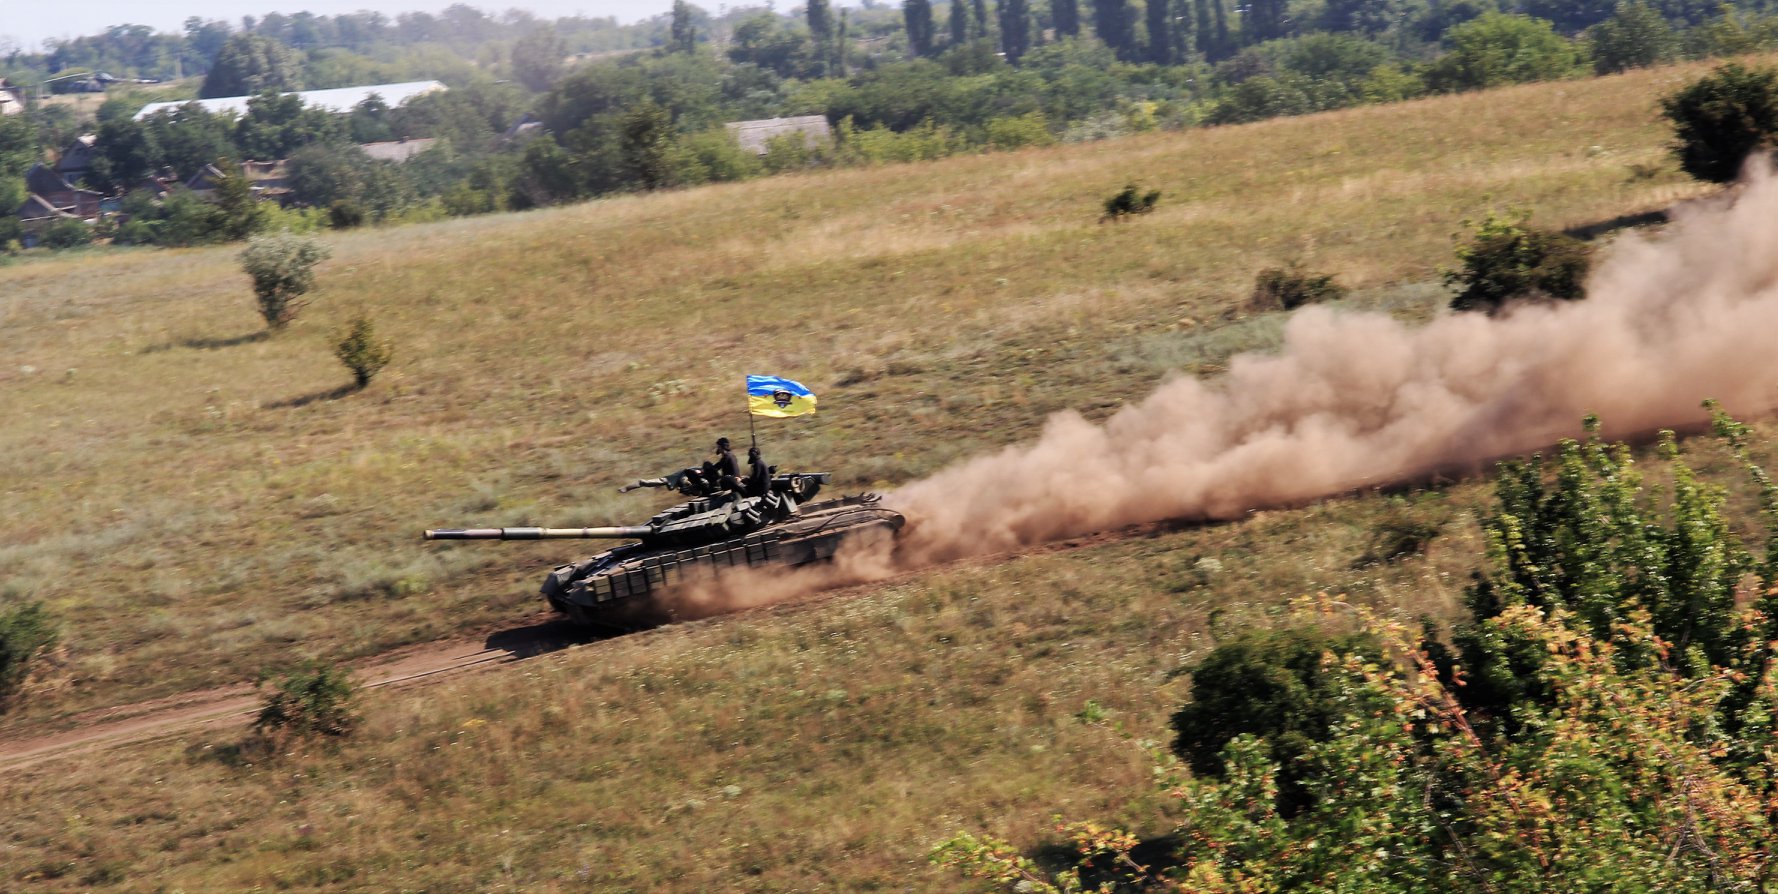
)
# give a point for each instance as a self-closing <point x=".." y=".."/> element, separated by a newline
<point x="196" y="501"/>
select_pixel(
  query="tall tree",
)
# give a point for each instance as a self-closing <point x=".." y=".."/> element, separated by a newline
<point x="1065" y="15"/>
<point x="839" y="44"/>
<point x="537" y="59"/>
<point x="981" y="17"/>
<point x="1160" y="32"/>
<point x="646" y="145"/>
<point x="959" y="23"/>
<point x="249" y="64"/>
<point x="1111" y="19"/>
<point x="820" y="15"/>
<point x="1266" y="20"/>
<point x="685" y="36"/>
<point x="918" y="16"/>
<point x="1015" y="28"/>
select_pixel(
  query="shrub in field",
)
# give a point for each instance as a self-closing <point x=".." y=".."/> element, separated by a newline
<point x="1130" y="200"/>
<point x="66" y="233"/>
<point x="312" y="700"/>
<point x="1721" y="118"/>
<point x="1507" y="259"/>
<point x="362" y="352"/>
<point x="1637" y="756"/>
<point x="283" y="270"/>
<point x="1291" y="287"/>
<point x="344" y="214"/>
<point x="1273" y="685"/>
<point x="26" y="632"/>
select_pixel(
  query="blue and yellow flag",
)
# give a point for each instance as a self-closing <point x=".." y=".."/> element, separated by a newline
<point x="772" y="396"/>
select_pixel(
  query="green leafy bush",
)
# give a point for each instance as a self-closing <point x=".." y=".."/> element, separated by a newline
<point x="362" y="352"/>
<point x="1507" y="259"/>
<point x="345" y="214"/>
<point x="26" y="632"/>
<point x="283" y="270"/>
<point x="1721" y="118"/>
<point x="1291" y="287"/>
<point x="1130" y="200"/>
<point x="66" y="233"/>
<point x="313" y="699"/>
<point x="1271" y="684"/>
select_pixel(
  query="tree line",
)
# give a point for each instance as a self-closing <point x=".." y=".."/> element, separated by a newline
<point x="897" y="84"/>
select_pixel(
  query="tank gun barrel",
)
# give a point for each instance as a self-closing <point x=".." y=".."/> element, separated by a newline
<point x="606" y="533"/>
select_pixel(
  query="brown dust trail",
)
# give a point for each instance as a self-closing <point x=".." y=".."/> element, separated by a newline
<point x="1358" y="399"/>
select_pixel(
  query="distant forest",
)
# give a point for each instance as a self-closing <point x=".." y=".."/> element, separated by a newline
<point x="641" y="106"/>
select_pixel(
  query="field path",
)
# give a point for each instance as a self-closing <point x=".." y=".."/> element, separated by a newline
<point x="236" y="705"/>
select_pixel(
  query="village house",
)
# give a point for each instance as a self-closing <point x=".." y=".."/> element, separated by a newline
<point x="50" y="198"/>
<point x="396" y="150"/>
<point x="12" y="98"/>
<point x="756" y="136"/>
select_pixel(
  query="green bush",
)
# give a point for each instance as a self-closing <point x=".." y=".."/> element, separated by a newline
<point x="1506" y="259"/>
<point x="313" y="699"/>
<point x="1129" y="201"/>
<point x="1636" y="36"/>
<point x="1721" y="118"/>
<point x="66" y="233"/>
<point x="362" y="352"/>
<point x="345" y="214"/>
<point x="1274" y="685"/>
<point x="1289" y="288"/>
<point x="1612" y="702"/>
<point x="283" y="270"/>
<point x="26" y="632"/>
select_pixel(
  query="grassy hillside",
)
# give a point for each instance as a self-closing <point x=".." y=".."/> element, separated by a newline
<point x="196" y="501"/>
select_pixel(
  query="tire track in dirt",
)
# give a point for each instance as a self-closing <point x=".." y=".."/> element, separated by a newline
<point x="235" y="705"/>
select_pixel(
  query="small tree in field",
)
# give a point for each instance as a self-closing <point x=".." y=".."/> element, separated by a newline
<point x="283" y="270"/>
<point x="26" y="632"/>
<point x="312" y="700"/>
<point x="362" y="352"/>
<point x="1721" y="118"/>
<point x="1506" y="259"/>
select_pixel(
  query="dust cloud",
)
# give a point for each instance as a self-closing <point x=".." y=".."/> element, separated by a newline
<point x="1358" y="399"/>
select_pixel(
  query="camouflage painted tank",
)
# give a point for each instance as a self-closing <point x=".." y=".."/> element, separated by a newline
<point x="780" y="528"/>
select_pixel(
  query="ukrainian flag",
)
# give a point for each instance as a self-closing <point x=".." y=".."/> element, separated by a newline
<point x="773" y="396"/>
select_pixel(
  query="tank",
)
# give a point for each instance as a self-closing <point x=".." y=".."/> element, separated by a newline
<point x="782" y="528"/>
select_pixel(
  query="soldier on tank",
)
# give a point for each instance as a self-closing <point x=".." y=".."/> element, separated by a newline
<point x="759" y="478"/>
<point x="725" y="472"/>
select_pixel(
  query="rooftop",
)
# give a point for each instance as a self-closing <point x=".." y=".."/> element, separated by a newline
<point x="338" y="99"/>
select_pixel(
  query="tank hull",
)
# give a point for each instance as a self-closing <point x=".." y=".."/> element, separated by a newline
<point x="623" y="587"/>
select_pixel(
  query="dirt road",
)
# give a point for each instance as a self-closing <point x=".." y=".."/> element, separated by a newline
<point x="236" y="705"/>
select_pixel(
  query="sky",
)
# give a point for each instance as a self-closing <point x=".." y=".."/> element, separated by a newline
<point x="28" y="23"/>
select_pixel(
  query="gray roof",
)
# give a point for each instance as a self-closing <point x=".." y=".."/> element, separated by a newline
<point x="338" y="99"/>
<point x="396" y="150"/>
<point x="753" y="135"/>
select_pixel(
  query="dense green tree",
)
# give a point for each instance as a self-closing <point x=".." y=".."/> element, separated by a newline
<point x="323" y="173"/>
<point x="1497" y="49"/>
<point x="1265" y="20"/>
<point x="1636" y="36"/>
<point x="1160" y="32"/>
<point x="126" y="153"/>
<point x="369" y="121"/>
<point x="1015" y="29"/>
<point x="1366" y="17"/>
<point x="537" y="59"/>
<point x="684" y="32"/>
<point x="1112" y="22"/>
<point x="188" y="137"/>
<point x="917" y="16"/>
<point x="763" y="40"/>
<point x="277" y="125"/>
<point x="959" y="22"/>
<point x="1065" y="16"/>
<point x="821" y="33"/>
<point x="979" y="18"/>
<point x="1722" y="118"/>
<point x="647" y="145"/>
<point x="249" y="64"/>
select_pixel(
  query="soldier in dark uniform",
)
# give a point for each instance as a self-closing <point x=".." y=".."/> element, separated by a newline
<point x="759" y="478"/>
<point x="726" y="470"/>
